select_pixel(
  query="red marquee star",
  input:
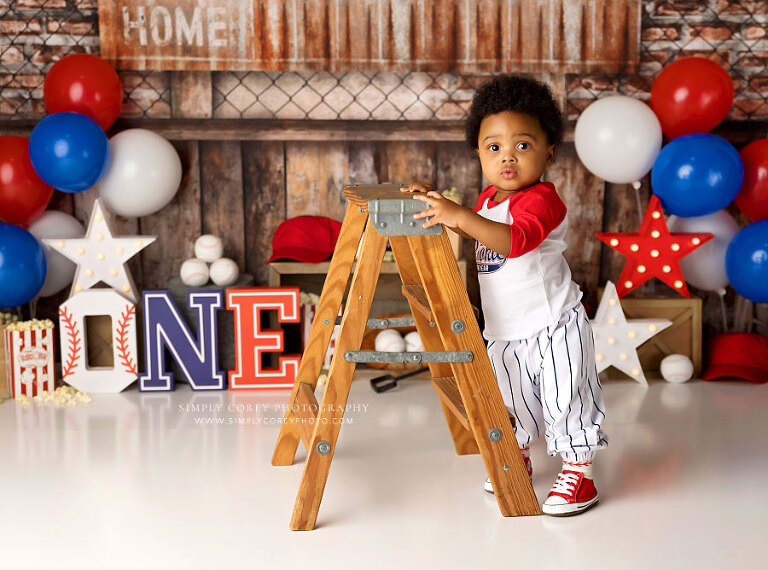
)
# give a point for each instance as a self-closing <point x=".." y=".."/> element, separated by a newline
<point x="653" y="251"/>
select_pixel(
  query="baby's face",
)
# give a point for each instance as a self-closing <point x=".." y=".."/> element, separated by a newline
<point x="513" y="150"/>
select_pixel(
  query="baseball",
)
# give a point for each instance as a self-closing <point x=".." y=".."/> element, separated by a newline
<point x="389" y="340"/>
<point x="194" y="272"/>
<point x="676" y="368"/>
<point x="413" y="342"/>
<point x="224" y="271"/>
<point x="208" y="248"/>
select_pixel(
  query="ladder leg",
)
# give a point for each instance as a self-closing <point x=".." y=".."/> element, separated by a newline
<point x="331" y="413"/>
<point x="463" y="439"/>
<point x="485" y="409"/>
<point x="320" y="333"/>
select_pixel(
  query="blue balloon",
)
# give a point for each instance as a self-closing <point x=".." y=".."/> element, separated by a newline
<point x="746" y="262"/>
<point x="697" y="174"/>
<point x="22" y="266"/>
<point x="69" y="151"/>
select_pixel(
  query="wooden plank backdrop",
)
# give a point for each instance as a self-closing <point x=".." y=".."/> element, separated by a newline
<point x="264" y="203"/>
<point x="162" y="259"/>
<point x="221" y="175"/>
<point x="243" y="178"/>
<point x="583" y="194"/>
<point x="242" y="190"/>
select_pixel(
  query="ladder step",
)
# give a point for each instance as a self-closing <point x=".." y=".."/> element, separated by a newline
<point x="418" y="299"/>
<point x="448" y="391"/>
<point x="386" y="323"/>
<point x="367" y="356"/>
<point x="304" y="412"/>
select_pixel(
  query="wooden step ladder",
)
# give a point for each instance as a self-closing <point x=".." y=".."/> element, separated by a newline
<point x="461" y="371"/>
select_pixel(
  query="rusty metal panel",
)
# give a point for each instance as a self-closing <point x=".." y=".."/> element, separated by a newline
<point x="460" y="36"/>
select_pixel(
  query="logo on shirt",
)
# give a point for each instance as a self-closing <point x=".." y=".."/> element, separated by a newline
<point x="488" y="261"/>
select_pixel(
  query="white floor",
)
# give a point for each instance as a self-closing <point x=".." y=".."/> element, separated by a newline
<point x="145" y="479"/>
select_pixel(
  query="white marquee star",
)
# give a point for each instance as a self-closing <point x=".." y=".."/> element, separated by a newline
<point x="100" y="256"/>
<point x="617" y="339"/>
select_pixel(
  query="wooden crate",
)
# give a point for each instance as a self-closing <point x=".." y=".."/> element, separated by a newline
<point x="682" y="337"/>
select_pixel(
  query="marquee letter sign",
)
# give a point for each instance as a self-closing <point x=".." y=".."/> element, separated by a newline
<point x="164" y="328"/>
<point x="74" y="363"/>
<point x="251" y="340"/>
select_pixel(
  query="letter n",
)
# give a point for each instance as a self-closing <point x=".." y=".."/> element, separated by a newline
<point x="251" y="340"/>
<point x="164" y="328"/>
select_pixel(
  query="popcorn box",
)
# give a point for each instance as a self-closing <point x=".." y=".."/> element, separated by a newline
<point x="30" y="360"/>
<point x="308" y="312"/>
<point x="5" y="374"/>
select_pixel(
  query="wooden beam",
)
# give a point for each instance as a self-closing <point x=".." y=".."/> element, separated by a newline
<point x="298" y="130"/>
<point x="304" y="412"/>
<point x="448" y="391"/>
<point x="191" y="94"/>
<point x="418" y="299"/>
<point x="277" y="129"/>
<point x="738" y="133"/>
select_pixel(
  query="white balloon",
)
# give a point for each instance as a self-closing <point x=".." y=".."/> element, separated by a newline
<point x="61" y="271"/>
<point x="142" y="176"/>
<point x="705" y="266"/>
<point x="618" y="139"/>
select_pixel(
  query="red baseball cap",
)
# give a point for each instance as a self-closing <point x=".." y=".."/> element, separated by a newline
<point x="310" y="239"/>
<point x="738" y="356"/>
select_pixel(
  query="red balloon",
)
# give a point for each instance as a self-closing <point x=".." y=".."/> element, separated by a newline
<point x="23" y="194"/>
<point x="85" y="84"/>
<point x="691" y="95"/>
<point x="752" y="199"/>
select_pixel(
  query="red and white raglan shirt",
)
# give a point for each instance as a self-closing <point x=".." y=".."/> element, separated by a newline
<point x="528" y="289"/>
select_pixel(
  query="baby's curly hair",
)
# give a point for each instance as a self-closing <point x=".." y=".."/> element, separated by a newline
<point x="520" y="94"/>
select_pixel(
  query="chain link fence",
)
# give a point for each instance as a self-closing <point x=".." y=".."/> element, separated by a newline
<point x="34" y="34"/>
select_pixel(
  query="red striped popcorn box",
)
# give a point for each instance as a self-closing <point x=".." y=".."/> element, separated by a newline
<point x="31" y="360"/>
<point x="5" y="374"/>
<point x="307" y="316"/>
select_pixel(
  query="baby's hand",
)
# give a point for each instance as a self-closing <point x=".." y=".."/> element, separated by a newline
<point x="442" y="210"/>
<point x="416" y="187"/>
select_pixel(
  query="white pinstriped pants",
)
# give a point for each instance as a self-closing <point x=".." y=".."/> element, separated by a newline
<point x="549" y="384"/>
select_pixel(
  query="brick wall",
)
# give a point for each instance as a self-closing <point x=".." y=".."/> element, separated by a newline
<point x="36" y="33"/>
<point x="732" y="33"/>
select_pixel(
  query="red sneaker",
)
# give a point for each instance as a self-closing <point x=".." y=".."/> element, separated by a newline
<point x="572" y="493"/>
<point x="526" y="453"/>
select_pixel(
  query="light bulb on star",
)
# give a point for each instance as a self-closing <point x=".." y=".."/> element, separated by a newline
<point x="617" y="339"/>
<point x="101" y="257"/>
<point x="653" y="251"/>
